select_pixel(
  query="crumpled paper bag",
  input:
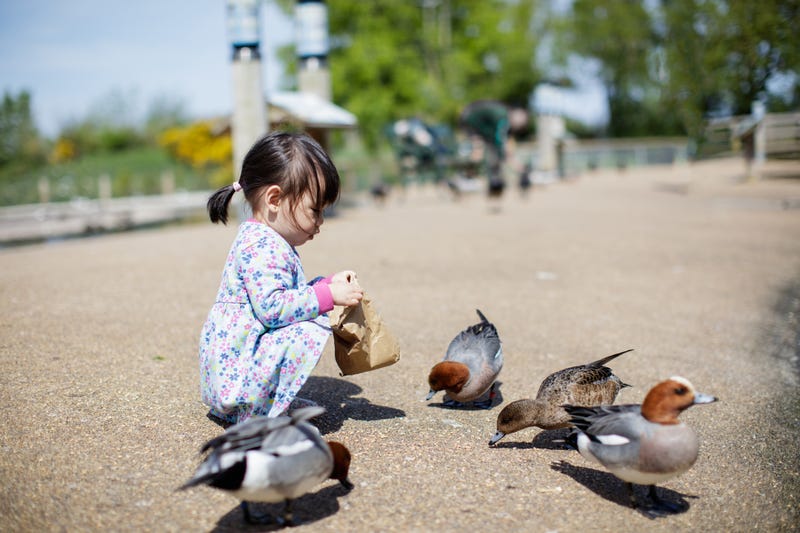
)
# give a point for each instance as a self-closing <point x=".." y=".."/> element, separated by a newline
<point x="362" y="342"/>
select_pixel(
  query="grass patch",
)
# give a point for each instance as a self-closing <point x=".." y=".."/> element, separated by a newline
<point x="139" y="171"/>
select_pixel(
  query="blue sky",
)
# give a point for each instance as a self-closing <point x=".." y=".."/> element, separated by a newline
<point x="73" y="55"/>
<point x="76" y="56"/>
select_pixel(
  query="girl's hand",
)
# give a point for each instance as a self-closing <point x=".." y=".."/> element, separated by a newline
<point x="345" y="288"/>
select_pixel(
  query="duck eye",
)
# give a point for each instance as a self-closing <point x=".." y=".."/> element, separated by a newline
<point x="680" y="391"/>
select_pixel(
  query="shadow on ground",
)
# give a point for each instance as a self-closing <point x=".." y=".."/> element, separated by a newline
<point x="554" y="439"/>
<point x="306" y="509"/>
<point x="470" y="406"/>
<point x="611" y="488"/>
<point x="341" y="401"/>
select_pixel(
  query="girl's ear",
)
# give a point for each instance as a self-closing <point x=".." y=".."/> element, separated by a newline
<point x="272" y="198"/>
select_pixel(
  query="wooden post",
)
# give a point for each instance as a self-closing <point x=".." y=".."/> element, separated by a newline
<point x="104" y="187"/>
<point x="168" y="182"/>
<point x="44" y="190"/>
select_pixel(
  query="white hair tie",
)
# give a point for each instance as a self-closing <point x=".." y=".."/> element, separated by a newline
<point x="237" y="186"/>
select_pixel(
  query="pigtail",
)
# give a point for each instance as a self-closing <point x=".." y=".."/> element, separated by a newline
<point x="218" y="204"/>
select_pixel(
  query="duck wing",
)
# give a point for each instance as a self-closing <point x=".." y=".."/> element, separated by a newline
<point x="558" y="384"/>
<point x="595" y="422"/>
<point x="480" y="340"/>
<point x="282" y="436"/>
<point x="250" y="434"/>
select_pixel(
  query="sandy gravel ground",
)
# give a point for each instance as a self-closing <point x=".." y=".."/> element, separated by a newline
<point x="696" y="270"/>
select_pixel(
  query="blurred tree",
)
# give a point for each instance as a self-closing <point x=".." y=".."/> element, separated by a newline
<point x="110" y="126"/>
<point x="427" y="58"/>
<point x="721" y="55"/>
<point x="163" y="113"/>
<point x="668" y="65"/>
<point x="20" y="143"/>
<point x="621" y="36"/>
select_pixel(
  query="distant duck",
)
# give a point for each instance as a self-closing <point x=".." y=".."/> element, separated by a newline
<point x="644" y="444"/>
<point x="272" y="460"/>
<point x="379" y="192"/>
<point x="525" y="182"/>
<point x="470" y="367"/>
<point x="496" y="187"/>
<point x="589" y="384"/>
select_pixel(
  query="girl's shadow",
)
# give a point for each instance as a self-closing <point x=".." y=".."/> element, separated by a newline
<point x="338" y="397"/>
<point x="307" y="509"/>
<point x="611" y="488"/>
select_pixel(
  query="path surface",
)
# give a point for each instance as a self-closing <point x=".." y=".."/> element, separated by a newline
<point x="696" y="271"/>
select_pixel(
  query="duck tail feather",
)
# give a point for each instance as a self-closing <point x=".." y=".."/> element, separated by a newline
<point x="306" y="413"/>
<point x="604" y="360"/>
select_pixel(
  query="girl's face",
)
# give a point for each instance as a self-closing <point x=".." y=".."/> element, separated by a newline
<point x="298" y="225"/>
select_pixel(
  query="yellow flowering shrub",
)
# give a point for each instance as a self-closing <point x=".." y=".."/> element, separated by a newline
<point x="198" y="146"/>
<point x="64" y="150"/>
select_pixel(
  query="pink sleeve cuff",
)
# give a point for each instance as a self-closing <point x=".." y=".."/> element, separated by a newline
<point x="324" y="295"/>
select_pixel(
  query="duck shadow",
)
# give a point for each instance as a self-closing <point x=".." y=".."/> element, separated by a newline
<point x="339" y="398"/>
<point x="307" y="509"/>
<point x="470" y="406"/>
<point x="554" y="439"/>
<point x="611" y="488"/>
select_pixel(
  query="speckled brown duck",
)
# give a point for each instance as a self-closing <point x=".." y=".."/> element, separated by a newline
<point x="584" y="385"/>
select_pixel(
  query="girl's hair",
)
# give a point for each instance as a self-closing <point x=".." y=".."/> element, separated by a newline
<point x="293" y="161"/>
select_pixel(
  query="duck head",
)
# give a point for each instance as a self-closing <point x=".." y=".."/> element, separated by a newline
<point x="447" y="375"/>
<point x="341" y="463"/>
<point x="669" y="398"/>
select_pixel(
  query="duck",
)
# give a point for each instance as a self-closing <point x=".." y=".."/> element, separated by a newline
<point x="272" y="459"/>
<point x="643" y="444"/>
<point x="470" y="367"/>
<point x="589" y="384"/>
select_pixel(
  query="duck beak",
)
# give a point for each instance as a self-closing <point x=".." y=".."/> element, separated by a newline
<point x="430" y="394"/>
<point x="699" y="397"/>
<point x="496" y="437"/>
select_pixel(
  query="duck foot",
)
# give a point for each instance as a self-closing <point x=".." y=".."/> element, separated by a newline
<point x="259" y="519"/>
<point x="452" y="404"/>
<point x="288" y="515"/>
<point x="656" y="507"/>
<point x="483" y="404"/>
<point x="487" y="403"/>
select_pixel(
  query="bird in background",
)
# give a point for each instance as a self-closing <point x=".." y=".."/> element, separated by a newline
<point x="644" y="444"/>
<point x="589" y="384"/>
<point x="470" y="367"/>
<point x="272" y="459"/>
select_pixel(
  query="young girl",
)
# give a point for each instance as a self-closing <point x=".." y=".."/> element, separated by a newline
<point x="267" y="329"/>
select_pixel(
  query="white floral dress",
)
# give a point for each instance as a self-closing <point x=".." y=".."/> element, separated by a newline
<point x="266" y="331"/>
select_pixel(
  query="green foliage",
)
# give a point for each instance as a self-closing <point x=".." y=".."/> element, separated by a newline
<point x="668" y="65"/>
<point x="20" y="143"/>
<point x="391" y="60"/>
<point x="721" y="55"/>
<point x="164" y="113"/>
<point x="132" y="172"/>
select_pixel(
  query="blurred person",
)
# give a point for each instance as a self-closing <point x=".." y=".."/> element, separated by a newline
<point x="268" y="326"/>
<point x="488" y="120"/>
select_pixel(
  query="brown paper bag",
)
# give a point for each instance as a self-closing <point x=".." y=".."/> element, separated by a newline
<point x="361" y="340"/>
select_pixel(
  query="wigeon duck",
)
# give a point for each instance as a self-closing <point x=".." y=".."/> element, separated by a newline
<point x="644" y="444"/>
<point x="590" y="384"/>
<point x="272" y="459"/>
<point x="470" y="366"/>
